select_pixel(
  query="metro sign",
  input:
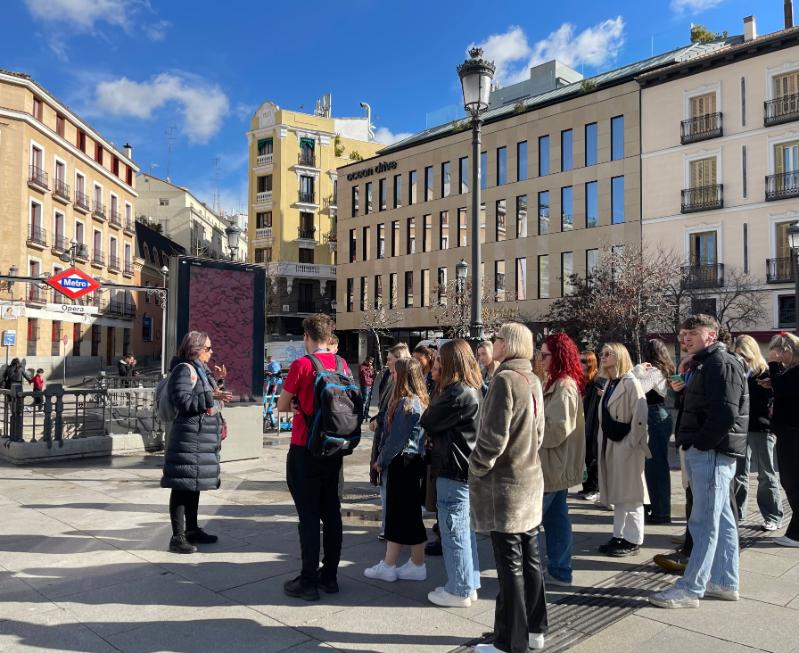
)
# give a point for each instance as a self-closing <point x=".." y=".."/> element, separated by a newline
<point x="73" y="283"/>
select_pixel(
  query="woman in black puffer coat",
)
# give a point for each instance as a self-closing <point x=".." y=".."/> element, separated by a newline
<point x="191" y="461"/>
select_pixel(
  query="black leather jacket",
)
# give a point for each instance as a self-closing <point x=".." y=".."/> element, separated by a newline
<point x="715" y="413"/>
<point x="450" y="423"/>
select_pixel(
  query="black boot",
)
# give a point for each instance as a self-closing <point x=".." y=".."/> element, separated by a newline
<point x="199" y="536"/>
<point x="179" y="544"/>
<point x="297" y="590"/>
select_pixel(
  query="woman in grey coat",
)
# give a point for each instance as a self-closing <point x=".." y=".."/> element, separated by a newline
<point x="191" y="461"/>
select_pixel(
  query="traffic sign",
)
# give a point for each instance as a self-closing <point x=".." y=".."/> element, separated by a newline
<point x="65" y="340"/>
<point x="9" y="338"/>
<point x="73" y="283"/>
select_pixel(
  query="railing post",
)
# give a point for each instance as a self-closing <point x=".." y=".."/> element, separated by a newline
<point x="17" y="408"/>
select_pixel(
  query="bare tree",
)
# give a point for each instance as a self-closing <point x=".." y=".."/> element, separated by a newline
<point x="452" y="309"/>
<point x="378" y="322"/>
<point x="738" y="303"/>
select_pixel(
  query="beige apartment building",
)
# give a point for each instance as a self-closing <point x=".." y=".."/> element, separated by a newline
<point x="64" y="189"/>
<point x="293" y="158"/>
<point x="560" y="176"/>
<point x="720" y="165"/>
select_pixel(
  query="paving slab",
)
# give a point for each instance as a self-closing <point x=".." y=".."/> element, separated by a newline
<point x="53" y="630"/>
<point x="759" y="587"/>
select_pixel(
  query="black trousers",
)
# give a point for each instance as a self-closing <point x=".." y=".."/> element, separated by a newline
<point x="313" y="483"/>
<point x="183" y="510"/>
<point x="521" y="604"/>
<point x="591" y="483"/>
<point x="788" y="461"/>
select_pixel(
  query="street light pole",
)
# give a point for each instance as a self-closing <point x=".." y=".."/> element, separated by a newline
<point x="164" y="272"/>
<point x="793" y="238"/>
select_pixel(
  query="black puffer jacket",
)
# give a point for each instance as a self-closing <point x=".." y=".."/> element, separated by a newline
<point x="759" y="398"/>
<point x="451" y="424"/>
<point x="715" y="411"/>
<point x="785" y="383"/>
<point x="191" y="461"/>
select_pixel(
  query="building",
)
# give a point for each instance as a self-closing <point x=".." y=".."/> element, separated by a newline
<point x="720" y="165"/>
<point x="293" y="158"/>
<point x="186" y="220"/>
<point x="560" y="177"/>
<point x="153" y="250"/>
<point x="64" y="189"/>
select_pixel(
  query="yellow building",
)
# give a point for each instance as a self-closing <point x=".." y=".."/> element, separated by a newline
<point x="63" y="189"/>
<point x="293" y="158"/>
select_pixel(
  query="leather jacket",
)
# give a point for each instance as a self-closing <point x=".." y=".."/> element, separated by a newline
<point x="715" y="412"/>
<point x="450" y="423"/>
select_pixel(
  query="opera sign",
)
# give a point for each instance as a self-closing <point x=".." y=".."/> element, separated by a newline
<point x="383" y="166"/>
<point x="73" y="283"/>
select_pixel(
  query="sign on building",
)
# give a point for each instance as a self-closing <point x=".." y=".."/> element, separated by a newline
<point x="73" y="283"/>
<point x="73" y="309"/>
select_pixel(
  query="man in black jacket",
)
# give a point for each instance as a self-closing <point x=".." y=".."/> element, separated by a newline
<point x="712" y="431"/>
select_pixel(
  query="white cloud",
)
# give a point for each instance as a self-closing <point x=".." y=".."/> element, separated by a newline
<point x="385" y="136"/>
<point x="156" y="31"/>
<point x="594" y="46"/>
<point x="693" y="6"/>
<point x="203" y="106"/>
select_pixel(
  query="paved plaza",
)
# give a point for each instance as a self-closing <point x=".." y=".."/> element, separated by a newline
<point x="84" y="567"/>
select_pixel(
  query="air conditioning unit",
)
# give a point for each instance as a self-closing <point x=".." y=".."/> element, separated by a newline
<point x="286" y="308"/>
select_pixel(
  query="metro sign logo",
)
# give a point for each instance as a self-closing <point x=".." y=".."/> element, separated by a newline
<point x="73" y="283"/>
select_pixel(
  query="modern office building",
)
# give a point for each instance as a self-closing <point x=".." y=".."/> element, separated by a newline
<point x="65" y="190"/>
<point x="720" y="165"/>
<point x="293" y="158"/>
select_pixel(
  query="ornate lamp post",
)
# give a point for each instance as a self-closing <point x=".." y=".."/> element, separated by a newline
<point x="476" y="74"/>
<point x="793" y="239"/>
<point x="461" y="272"/>
<point x="233" y="233"/>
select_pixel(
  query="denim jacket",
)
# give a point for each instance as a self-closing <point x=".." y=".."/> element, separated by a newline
<point x="405" y="435"/>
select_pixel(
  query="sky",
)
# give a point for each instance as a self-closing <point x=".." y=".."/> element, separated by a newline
<point x="180" y="80"/>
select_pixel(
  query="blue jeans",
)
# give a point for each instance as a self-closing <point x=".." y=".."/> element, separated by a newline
<point x="366" y="394"/>
<point x="458" y="541"/>
<point x="656" y="470"/>
<point x="558" y="535"/>
<point x="712" y="523"/>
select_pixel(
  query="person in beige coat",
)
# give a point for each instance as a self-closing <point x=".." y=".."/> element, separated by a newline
<point x="562" y="452"/>
<point x="623" y="450"/>
<point x="506" y="487"/>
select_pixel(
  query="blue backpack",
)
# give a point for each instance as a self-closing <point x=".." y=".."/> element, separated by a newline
<point x="334" y="427"/>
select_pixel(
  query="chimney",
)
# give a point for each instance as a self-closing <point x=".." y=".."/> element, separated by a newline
<point x="788" y="14"/>
<point x="750" y="28"/>
<point x="128" y="149"/>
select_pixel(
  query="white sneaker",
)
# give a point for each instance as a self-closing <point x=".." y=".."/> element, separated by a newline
<point x="719" y="592"/>
<point x="473" y="595"/>
<point x="674" y="597"/>
<point x="382" y="571"/>
<point x="410" y="571"/>
<point x="589" y="496"/>
<point x="440" y="596"/>
<point x="769" y="525"/>
<point x="786" y="541"/>
<point x="536" y="641"/>
<point x="486" y="648"/>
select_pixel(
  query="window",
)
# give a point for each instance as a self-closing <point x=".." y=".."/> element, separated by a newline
<point x="591" y="204"/>
<point x="427" y="233"/>
<point x="96" y="337"/>
<point x="704" y="250"/>
<point x="38" y="106"/>
<point x="591" y="261"/>
<point x="36" y="221"/>
<point x="397" y="191"/>
<point x="115" y="165"/>
<point x="441" y="289"/>
<point x="263" y="219"/>
<point x="461" y="227"/>
<point x="76" y="338"/>
<point x="502" y="219"/>
<point x="443" y="230"/>
<point x="350" y="295"/>
<point x="98" y="153"/>
<point x="355" y="201"/>
<point x="409" y="290"/>
<point x="98" y="197"/>
<point x="428" y="183"/>
<point x="566" y="271"/>
<point x="617" y="138"/>
<point x="37" y="160"/>
<point x="366" y="244"/>
<point x="521" y="279"/>
<point x="543" y="156"/>
<point x="591" y="144"/>
<point x="446" y="179"/>
<point x="353" y="246"/>
<point x="566" y="208"/>
<point x="265" y="146"/>
<point x="60" y="124"/>
<point x="60" y="174"/>
<point x="129" y="176"/>
<point x="463" y="174"/>
<point x="543" y="276"/>
<point x="543" y="212"/>
<point x="412" y="187"/>
<point x="382" y="194"/>
<point x="566" y="150"/>
<point x="81" y="140"/>
<point x="112" y="249"/>
<point x="703" y="105"/>
<point x="392" y="290"/>
<point x="164" y="201"/>
<point x="79" y="233"/>
<point x="521" y="161"/>
<point x="483" y="169"/>
<point x="424" y="290"/>
<point x="264" y="185"/>
<point x="369" y="207"/>
<point x="786" y="311"/>
<point x="410" y="244"/>
<point x="502" y="166"/>
<point x="617" y="200"/>
<point x="499" y="281"/>
<point x="80" y="183"/>
<point x="364" y="294"/>
<point x="33" y="335"/>
<point x="381" y="241"/>
<point x="378" y="292"/>
<point x="58" y="231"/>
<point x="395" y="237"/>
<point x="521" y="216"/>
<point x="128" y="260"/>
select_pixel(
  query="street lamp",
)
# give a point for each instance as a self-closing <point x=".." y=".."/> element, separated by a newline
<point x="476" y="74"/>
<point x="793" y="239"/>
<point x="461" y="272"/>
<point x="233" y="233"/>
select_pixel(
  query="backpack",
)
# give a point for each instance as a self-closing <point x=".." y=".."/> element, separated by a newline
<point x="163" y="406"/>
<point x="334" y="427"/>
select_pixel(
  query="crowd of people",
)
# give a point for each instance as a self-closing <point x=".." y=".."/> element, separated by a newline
<point x="493" y="442"/>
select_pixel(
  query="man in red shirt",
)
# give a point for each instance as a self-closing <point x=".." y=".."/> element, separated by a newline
<point x="313" y="482"/>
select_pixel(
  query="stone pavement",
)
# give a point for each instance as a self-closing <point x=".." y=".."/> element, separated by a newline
<point x="84" y="567"/>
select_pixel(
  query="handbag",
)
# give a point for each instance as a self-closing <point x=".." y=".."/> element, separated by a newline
<point x="613" y="429"/>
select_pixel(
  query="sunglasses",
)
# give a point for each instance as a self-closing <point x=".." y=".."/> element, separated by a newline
<point x="208" y="348"/>
<point x="606" y="354"/>
<point x="583" y="361"/>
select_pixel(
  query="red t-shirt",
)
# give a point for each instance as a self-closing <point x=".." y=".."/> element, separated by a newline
<point x="299" y="382"/>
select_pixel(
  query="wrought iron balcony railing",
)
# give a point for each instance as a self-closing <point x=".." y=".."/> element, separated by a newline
<point x="781" y="109"/>
<point x="782" y="186"/>
<point x="703" y="275"/>
<point x="702" y="198"/>
<point x="700" y="128"/>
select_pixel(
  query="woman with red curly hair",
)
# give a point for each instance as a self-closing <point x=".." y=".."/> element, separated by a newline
<point x="562" y="450"/>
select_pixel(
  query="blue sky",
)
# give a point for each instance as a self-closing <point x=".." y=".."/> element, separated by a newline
<point x="152" y="72"/>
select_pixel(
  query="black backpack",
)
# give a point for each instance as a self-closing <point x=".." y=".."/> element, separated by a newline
<point x="334" y="427"/>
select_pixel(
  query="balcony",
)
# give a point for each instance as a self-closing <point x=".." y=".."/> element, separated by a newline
<point x="129" y="309"/>
<point x="780" y="270"/>
<point x="703" y="275"/>
<point x="81" y="203"/>
<point x="702" y="198"/>
<point x="330" y="204"/>
<point x="99" y="211"/>
<point x="301" y="270"/>
<point x="263" y="233"/>
<point x="115" y="219"/>
<point x="36" y="296"/>
<point x="37" y="179"/>
<point x="128" y="269"/>
<point x="37" y="237"/>
<point x="306" y="197"/>
<point x="306" y="236"/>
<point x="332" y="240"/>
<point x="113" y="264"/>
<point x="264" y="197"/>
<point x="306" y="158"/>
<point x="130" y="226"/>
<point x="61" y="244"/>
<point x="700" y="128"/>
<point x="263" y="160"/>
<point x="98" y="258"/>
<point x="782" y="186"/>
<point x="780" y="110"/>
<point x="61" y="191"/>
